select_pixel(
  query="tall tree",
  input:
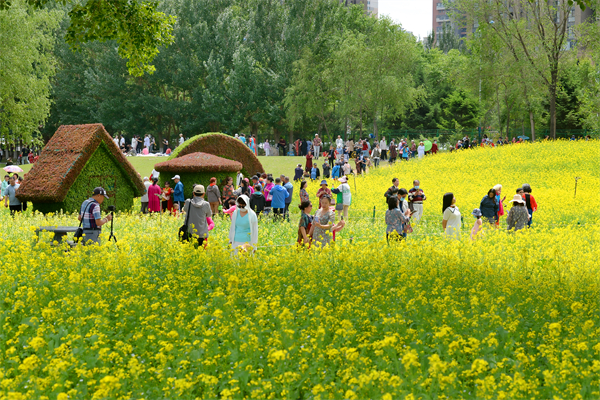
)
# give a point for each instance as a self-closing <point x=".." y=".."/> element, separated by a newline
<point x="527" y="28"/>
<point x="26" y="67"/>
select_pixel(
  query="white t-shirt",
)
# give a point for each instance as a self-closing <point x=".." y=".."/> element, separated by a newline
<point x="339" y="143"/>
<point x="122" y="141"/>
<point x="346" y="195"/>
<point x="116" y="141"/>
<point x="144" y="198"/>
<point x="181" y="140"/>
<point x="146" y="142"/>
<point x="452" y="215"/>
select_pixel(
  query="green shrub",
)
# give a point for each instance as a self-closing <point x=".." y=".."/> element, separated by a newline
<point x="224" y="146"/>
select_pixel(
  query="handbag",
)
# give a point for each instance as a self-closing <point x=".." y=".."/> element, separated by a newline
<point x="408" y="228"/>
<point x="183" y="234"/>
<point x="79" y="232"/>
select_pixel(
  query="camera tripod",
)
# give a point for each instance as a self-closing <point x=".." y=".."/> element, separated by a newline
<point x="112" y="235"/>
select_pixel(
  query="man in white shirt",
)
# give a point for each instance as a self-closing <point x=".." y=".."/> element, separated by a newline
<point x="147" y="142"/>
<point x="339" y="144"/>
<point x="116" y="140"/>
<point x="384" y="148"/>
<point x="181" y="139"/>
<point x="122" y="142"/>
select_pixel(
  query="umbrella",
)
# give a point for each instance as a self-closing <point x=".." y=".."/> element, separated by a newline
<point x="12" y="168"/>
<point x="523" y="137"/>
<point x="428" y="145"/>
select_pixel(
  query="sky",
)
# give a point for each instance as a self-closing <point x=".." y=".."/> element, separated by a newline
<point x="414" y="15"/>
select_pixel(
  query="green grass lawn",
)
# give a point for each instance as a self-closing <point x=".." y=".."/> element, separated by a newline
<point x="273" y="165"/>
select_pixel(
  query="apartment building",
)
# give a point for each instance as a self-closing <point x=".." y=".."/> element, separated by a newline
<point x="371" y="6"/>
<point x="441" y="17"/>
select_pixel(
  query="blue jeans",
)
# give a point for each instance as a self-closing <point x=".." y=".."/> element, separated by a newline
<point x="530" y="211"/>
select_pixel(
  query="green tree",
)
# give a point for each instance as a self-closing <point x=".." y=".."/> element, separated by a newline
<point x="137" y="27"/>
<point x="460" y="110"/>
<point x="27" y="65"/>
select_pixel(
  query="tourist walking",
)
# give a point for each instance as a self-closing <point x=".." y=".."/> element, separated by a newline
<point x="384" y="148"/>
<point x="178" y="196"/>
<point x="213" y="195"/>
<point x="305" y="224"/>
<point x="303" y="193"/>
<point x="451" y="216"/>
<point x="376" y="155"/>
<point x="197" y="211"/>
<point x="530" y="202"/>
<point x="10" y="198"/>
<point x="323" y="222"/>
<point x="144" y="198"/>
<point x="317" y="142"/>
<point x="421" y="150"/>
<point x="518" y="216"/>
<point x="279" y="194"/>
<point x="489" y="207"/>
<point x="393" y="152"/>
<point x="344" y="198"/>
<point x="288" y="200"/>
<point x="416" y="197"/>
<point x="243" y="232"/>
<point x="154" y="196"/>
<point x="90" y="218"/>
<point x="395" y="220"/>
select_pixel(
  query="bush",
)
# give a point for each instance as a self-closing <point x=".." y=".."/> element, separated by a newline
<point x="223" y="146"/>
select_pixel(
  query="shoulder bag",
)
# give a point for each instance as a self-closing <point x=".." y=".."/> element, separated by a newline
<point x="183" y="234"/>
<point x="79" y="232"/>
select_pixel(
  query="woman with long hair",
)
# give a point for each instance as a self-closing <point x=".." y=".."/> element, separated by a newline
<point x="452" y="219"/>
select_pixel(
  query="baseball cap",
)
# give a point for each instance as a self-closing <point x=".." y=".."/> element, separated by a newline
<point x="199" y="189"/>
<point x="176" y="177"/>
<point x="101" y="191"/>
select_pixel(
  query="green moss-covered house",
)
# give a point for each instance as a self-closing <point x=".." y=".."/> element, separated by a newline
<point x="197" y="168"/>
<point x="77" y="159"/>
<point x="221" y="145"/>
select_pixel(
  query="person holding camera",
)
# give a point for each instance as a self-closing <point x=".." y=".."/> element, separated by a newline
<point x="90" y="217"/>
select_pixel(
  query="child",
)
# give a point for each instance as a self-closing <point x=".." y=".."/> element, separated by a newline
<point x="477" y="227"/>
<point x="232" y="207"/>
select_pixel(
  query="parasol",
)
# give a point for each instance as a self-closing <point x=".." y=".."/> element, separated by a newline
<point x="12" y="168"/>
<point x="428" y="145"/>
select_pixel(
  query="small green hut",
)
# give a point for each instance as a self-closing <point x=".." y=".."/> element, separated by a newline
<point x="77" y="159"/>
<point x="197" y="168"/>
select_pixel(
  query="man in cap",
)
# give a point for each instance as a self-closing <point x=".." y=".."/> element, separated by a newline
<point x="199" y="210"/>
<point x="178" y="196"/>
<point x="90" y="217"/>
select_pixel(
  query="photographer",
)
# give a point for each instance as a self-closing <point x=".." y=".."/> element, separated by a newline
<point x="89" y="215"/>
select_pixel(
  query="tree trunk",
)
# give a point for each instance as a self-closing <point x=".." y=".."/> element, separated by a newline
<point x="361" y="121"/>
<point x="532" y="122"/>
<point x="553" y="110"/>
<point x="375" y="131"/>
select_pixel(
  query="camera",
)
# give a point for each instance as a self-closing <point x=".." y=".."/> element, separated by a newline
<point x="112" y="208"/>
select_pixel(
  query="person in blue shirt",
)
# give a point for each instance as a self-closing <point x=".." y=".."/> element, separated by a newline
<point x="313" y="173"/>
<point x="290" y="189"/>
<point x="178" y="196"/>
<point x="279" y="194"/>
<point x="335" y="173"/>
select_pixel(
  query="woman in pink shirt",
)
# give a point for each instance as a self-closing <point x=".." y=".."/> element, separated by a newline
<point x="154" y="192"/>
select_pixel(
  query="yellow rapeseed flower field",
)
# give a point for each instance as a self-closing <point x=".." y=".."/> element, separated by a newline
<point x="510" y="316"/>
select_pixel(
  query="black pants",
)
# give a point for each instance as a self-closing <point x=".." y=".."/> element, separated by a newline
<point x="278" y="213"/>
<point x="384" y="154"/>
<point x="281" y="148"/>
<point x="144" y="207"/>
<point x="15" y="209"/>
<point x="331" y="162"/>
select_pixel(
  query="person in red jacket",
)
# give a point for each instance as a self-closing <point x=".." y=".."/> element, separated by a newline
<point x="529" y="202"/>
<point x="434" y="147"/>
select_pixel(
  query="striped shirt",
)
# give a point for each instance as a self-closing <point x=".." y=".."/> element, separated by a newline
<point x="90" y="212"/>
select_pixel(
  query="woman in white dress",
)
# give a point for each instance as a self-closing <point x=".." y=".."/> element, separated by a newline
<point x="421" y="150"/>
<point x="452" y="219"/>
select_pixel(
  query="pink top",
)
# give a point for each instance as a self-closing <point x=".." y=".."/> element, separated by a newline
<point x="476" y="228"/>
<point x="153" y="199"/>
<point x="230" y="210"/>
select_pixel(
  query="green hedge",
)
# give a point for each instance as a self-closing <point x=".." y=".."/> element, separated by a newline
<point x="100" y="170"/>
<point x="189" y="179"/>
<point x="224" y="146"/>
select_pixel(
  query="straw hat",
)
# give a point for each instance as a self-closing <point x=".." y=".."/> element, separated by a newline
<point x="517" y="199"/>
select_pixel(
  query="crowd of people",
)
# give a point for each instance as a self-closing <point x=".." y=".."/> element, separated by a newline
<point x="404" y="206"/>
<point x="9" y="187"/>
